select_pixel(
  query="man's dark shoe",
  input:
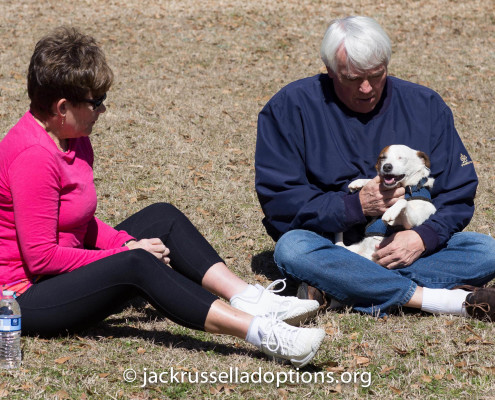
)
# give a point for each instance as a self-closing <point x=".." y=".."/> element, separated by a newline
<point x="480" y="303"/>
<point x="305" y="291"/>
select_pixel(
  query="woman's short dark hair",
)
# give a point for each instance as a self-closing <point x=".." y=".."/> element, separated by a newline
<point x="66" y="64"/>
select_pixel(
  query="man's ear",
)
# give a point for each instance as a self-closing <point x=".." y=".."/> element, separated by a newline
<point x="331" y="74"/>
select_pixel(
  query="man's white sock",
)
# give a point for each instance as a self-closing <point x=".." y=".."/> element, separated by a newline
<point x="444" y="301"/>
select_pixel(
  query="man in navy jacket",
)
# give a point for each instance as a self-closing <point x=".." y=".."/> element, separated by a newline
<point x="319" y="134"/>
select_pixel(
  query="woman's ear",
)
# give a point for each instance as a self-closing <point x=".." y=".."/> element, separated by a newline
<point x="60" y="107"/>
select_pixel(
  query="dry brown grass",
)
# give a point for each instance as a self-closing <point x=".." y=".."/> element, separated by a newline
<point x="191" y="78"/>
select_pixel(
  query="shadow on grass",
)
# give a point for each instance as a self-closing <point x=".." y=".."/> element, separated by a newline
<point x="117" y="328"/>
<point x="263" y="264"/>
<point x="114" y="328"/>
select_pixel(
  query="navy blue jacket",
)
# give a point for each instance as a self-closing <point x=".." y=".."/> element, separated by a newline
<point x="310" y="146"/>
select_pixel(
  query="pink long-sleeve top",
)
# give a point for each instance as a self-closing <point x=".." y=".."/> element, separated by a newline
<point x="47" y="207"/>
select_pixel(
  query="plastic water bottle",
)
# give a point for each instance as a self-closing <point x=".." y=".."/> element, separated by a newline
<point x="10" y="331"/>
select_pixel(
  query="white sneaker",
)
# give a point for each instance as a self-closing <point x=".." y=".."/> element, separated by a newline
<point x="286" y="308"/>
<point x="282" y="341"/>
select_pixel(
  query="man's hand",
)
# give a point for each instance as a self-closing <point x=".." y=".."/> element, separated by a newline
<point x="399" y="250"/>
<point x="376" y="199"/>
<point x="154" y="246"/>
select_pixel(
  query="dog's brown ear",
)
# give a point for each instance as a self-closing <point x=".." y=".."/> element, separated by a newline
<point x="378" y="164"/>
<point x="425" y="158"/>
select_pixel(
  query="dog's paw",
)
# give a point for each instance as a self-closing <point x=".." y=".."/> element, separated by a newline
<point x="390" y="217"/>
<point x="357" y="184"/>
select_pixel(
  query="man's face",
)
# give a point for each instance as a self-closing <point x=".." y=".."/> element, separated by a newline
<point x="360" y="91"/>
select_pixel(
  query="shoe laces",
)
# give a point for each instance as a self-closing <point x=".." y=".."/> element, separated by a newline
<point x="485" y="307"/>
<point x="281" y="305"/>
<point x="280" y="333"/>
<point x="272" y="285"/>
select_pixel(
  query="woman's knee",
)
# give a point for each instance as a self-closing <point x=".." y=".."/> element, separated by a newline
<point x="154" y="220"/>
<point x="158" y="209"/>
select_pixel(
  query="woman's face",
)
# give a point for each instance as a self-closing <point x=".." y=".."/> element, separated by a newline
<point x="80" y="118"/>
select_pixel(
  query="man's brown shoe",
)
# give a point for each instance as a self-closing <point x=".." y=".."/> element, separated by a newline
<point x="305" y="291"/>
<point x="480" y="303"/>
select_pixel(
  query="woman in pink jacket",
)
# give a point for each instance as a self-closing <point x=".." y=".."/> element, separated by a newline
<point x="69" y="269"/>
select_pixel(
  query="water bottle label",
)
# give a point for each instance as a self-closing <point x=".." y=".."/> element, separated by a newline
<point x="10" y="324"/>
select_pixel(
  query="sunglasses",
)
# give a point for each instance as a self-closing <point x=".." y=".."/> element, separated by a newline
<point x="96" y="102"/>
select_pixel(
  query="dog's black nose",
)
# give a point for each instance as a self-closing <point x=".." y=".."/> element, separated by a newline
<point x="387" y="167"/>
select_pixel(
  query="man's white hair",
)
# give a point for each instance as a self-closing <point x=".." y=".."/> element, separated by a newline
<point x="366" y="44"/>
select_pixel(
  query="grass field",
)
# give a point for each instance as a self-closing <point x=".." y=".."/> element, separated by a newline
<point x="180" y="127"/>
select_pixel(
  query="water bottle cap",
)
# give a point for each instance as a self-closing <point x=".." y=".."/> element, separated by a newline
<point x="8" y="293"/>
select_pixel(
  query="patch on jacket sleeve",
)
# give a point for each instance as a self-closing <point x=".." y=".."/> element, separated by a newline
<point x="464" y="160"/>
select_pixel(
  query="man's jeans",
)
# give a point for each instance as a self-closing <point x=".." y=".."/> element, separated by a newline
<point x="468" y="258"/>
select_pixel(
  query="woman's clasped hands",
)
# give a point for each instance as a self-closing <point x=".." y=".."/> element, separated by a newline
<point x="154" y="246"/>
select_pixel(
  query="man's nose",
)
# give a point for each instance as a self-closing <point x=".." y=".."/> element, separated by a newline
<point x="365" y="86"/>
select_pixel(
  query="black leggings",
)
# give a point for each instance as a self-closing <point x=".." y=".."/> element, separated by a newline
<point x="87" y="295"/>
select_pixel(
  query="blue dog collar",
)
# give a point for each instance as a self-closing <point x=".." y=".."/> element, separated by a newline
<point x="419" y="191"/>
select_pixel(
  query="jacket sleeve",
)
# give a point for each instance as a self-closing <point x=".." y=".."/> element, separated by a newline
<point x="35" y="188"/>
<point x="288" y="199"/>
<point x="455" y="184"/>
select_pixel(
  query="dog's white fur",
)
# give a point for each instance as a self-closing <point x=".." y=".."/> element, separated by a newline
<point x="397" y="165"/>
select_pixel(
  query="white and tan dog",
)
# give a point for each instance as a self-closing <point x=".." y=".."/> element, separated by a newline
<point x="397" y="165"/>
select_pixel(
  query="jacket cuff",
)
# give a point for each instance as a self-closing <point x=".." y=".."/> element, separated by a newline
<point x="353" y="210"/>
<point x="127" y="240"/>
<point x="429" y="237"/>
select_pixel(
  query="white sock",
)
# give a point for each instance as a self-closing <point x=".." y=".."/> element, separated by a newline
<point x="253" y="335"/>
<point x="250" y="292"/>
<point x="444" y="301"/>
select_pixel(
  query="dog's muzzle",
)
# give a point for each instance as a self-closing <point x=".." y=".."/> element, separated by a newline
<point x="391" y="180"/>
